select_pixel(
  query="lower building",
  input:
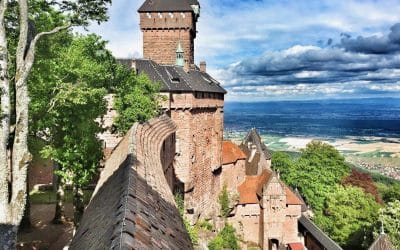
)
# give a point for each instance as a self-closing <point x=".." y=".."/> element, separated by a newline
<point x="267" y="214"/>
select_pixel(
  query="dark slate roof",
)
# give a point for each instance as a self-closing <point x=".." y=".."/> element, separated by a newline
<point x="382" y="243"/>
<point x="175" y="78"/>
<point x="318" y="234"/>
<point x="133" y="206"/>
<point x="126" y="213"/>
<point x="167" y="5"/>
<point x="255" y="138"/>
<point x="251" y="167"/>
<point x="125" y="61"/>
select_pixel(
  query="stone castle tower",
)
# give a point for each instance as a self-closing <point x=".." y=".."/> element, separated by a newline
<point x="167" y="24"/>
<point x="193" y="99"/>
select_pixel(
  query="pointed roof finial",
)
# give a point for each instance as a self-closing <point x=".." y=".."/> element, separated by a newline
<point x="179" y="48"/>
<point x="382" y="227"/>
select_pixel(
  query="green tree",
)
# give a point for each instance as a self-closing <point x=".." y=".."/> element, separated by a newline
<point x="282" y="162"/>
<point x="192" y="230"/>
<point x="77" y="99"/>
<point x="348" y="216"/>
<point x="224" y="202"/>
<point x="14" y="134"/>
<point x="317" y="171"/>
<point x="226" y="239"/>
<point x="389" y="192"/>
<point x="136" y="98"/>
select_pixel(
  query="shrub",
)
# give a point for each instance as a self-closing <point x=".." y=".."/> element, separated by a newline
<point x="224" y="202"/>
<point x="226" y="239"/>
<point x="192" y="231"/>
<point x="205" y="225"/>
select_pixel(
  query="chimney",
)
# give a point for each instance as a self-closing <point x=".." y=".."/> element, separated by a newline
<point x="133" y="66"/>
<point x="203" y="67"/>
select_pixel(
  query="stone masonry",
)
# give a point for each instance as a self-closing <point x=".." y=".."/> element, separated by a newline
<point x="193" y="100"/>
<point x="162" y="31"/>
<point x="133" y="206"/>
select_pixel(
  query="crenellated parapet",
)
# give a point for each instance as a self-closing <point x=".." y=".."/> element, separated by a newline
<point x="133" y="206"/>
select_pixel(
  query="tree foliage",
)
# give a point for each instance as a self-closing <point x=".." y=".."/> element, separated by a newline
<point x="389" y="192"/>
<point x="226" y="239"/>
<point x="224" y="202"/>
<point x="348" y="216"/>
<point x="136" y="98"/>
<point x="319" y="168"/>
<point x="345" y="213"/>
<point x="14" y="121"/>
<point x="363" y="181"/>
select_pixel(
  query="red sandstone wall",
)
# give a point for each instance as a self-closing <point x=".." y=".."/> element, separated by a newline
<point x="206" y="185"/>
<point x="247" y="222"/>
<point x="167" y="156"/>
<point x="233" y="175"/>
<point x="40" y="172"/>
<point x="144" y="143"/>
<point x="198" y="147"/>
<point x="161" y="33"/>
<point x="110" y="141"/>
<point x="274" y="204"/>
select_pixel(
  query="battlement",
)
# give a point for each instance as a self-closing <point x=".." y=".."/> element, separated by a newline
<point x="168" y="21"/>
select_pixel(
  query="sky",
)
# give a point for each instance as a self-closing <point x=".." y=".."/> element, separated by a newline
<point x="262" y="50"/>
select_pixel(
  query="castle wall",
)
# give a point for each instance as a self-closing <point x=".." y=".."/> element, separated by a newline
<point x="291" y="234"/>
<point x="110" y="141"/>
<point x="247" y="222"/>
<point x="167" y="156"/>
<point x="198" y="146"/>
<point x="205" y="159"/>
<point x="233" y="175"/>
<point x="163" y="31"/>
<point x="137" y="206"/>
<point x="274" y="209"/>
<point x="40" y="172"/>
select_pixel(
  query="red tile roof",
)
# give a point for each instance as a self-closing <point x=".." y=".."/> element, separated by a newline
<point x="296" y="246"/>
<point x="252" y="186"/>
<point x="291" y="198"/>
<point x="231" y="153"/>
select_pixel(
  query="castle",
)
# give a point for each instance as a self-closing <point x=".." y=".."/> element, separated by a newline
<point x="183" y="152"/>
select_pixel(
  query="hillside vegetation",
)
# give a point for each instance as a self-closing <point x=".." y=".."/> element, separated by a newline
<point x="346" y="202"/>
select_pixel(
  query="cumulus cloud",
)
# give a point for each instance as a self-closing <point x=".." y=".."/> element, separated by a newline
<point x="374" y="44"/>
<point x="365" y="66"/>
<point x="278" y="49"/>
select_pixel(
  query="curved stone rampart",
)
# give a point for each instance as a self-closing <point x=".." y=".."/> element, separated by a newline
<point x="133" y="206"/>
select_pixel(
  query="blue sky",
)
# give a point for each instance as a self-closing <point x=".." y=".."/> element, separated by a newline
<point x="284" y="50"/>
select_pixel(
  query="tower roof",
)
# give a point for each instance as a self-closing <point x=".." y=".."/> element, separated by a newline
<point x="174" y="78"/>
<point x="167" y="5"/>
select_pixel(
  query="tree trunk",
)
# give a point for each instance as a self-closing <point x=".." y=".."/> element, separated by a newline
<point x="79" y="206"/>
<point x="4" y="120"/>
<point x="8" y="236"/>
<point x="26" y="224"/>
<point x="59" y="216"/>
<point x="14" y="164"/>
